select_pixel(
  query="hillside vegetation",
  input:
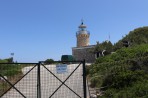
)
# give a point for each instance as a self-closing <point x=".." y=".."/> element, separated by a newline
<point x="124" y="73"/>
<point x="135" y="37"/>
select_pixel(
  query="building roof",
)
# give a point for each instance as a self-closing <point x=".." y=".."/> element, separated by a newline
<point x="82" y="25"/>
<point x="84" y="47"/>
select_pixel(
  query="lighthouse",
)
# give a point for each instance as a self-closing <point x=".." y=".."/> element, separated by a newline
<point x="82" y="36"/>
<point x="83" y="48"/>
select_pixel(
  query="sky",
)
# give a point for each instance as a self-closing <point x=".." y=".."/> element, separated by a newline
<point x="36" y="30"/>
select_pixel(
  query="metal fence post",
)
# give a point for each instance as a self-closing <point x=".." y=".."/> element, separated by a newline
<point x="84" y="79"/>
<point x="38" y="81"/>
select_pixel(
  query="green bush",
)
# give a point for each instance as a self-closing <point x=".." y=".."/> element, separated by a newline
<point x="49" y="61"/>
<point x="10" y="69"/>
<point x="123" y="73"/>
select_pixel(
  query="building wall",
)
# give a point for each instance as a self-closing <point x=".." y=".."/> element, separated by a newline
<point x="83" y="53"/>
<point x="82" y="40"/>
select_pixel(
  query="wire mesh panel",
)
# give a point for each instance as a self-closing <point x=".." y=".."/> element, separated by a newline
<point x="68" y="84"/>
<point x="37" y="80"/>
<point x="18" y="81"/>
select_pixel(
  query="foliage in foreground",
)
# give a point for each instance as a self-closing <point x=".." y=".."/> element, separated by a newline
<point x="123" y="74"/>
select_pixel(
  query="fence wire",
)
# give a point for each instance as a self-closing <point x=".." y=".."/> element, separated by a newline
<point x="16" y="80"/>
<point x="26" y="80"/>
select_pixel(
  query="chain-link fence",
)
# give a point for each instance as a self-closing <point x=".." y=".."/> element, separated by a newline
<point x="37" y="80"/>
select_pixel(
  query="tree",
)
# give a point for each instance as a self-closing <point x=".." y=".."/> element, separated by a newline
<point x="106" y="47"/>
<point x="49" y="61"/>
